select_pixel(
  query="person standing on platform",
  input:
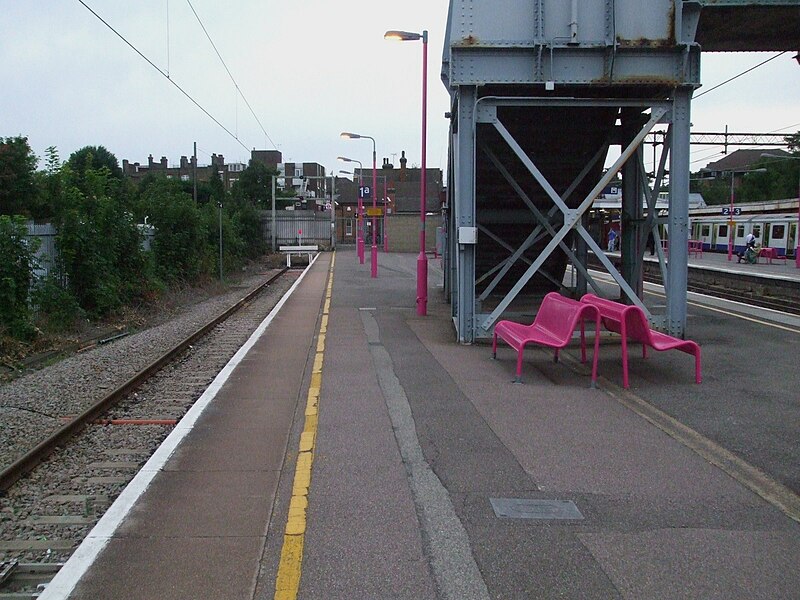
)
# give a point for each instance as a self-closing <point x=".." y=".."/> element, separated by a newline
<point x="651" y="243"/>
<point x="612" y="239"/>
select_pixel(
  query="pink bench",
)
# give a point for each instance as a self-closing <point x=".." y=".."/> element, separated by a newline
<point x="553" y="327"/>
<point x="631" y="323"/>
<point x="696" y="248"/>
<point x="771" y="254"/>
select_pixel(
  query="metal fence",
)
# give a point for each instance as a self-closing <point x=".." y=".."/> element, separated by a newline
<point x="291" y="227"/>
<point x="47" y="253"/>
<point x="298" y="226"/>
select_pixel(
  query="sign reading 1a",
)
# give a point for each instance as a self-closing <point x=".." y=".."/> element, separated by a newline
<point x="365" y="191"/>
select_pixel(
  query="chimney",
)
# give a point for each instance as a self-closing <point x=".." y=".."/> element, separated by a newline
<point x="403" y="162"/>
<point x="150" y="161"/>
<point x="164" y="162"/>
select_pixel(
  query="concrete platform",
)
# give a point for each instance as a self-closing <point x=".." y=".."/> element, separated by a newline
<point x="417" y="435"/>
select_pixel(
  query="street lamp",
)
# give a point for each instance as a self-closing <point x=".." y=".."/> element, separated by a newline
<point x="374" y="250"/>
<point x="422" y="259"/>
<point x="730" y="214"/>
<point x="360" y="213"/>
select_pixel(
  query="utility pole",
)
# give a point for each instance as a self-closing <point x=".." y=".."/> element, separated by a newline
<point x="194" y="174"/>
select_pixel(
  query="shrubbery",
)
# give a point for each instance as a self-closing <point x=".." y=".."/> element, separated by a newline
<point x="17" y="261"/>
<point x="101" y="264"/>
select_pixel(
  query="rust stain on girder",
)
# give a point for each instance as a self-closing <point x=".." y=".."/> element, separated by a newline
<point x="645" y="43"/>
<point x="470" y="40"/>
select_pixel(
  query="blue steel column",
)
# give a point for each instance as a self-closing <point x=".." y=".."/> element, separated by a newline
<point x="631" y="215"/>
<point x="464" y="212"/>
<point x="450" y="279"/>
<point x="677" y="267"/>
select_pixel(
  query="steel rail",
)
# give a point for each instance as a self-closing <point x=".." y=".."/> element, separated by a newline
<point x="26" y="463"/>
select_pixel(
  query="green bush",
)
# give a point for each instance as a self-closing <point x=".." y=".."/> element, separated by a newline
<point x="17" y="262"/>
<point x="57" y="308"/>
<point x="100" y="256"/>
<point x="179" y="248"/>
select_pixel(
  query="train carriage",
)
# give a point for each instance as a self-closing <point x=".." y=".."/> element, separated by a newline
<point x="773" y="230"/>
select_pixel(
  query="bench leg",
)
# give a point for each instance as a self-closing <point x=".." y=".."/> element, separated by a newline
<point x="698" y="378"/>
<point x="625" y="361"/>
<point x="519" y="365"/>
<point x="583" y="341"/>
<point x="494" y="347"/>
<point x="593" y="384"/>
<point x="288" y="260"/>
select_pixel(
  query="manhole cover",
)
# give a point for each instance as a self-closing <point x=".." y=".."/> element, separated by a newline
<point x="529" y="508"/>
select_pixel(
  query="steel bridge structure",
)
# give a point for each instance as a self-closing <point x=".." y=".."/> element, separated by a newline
<point x="541" y="91"/>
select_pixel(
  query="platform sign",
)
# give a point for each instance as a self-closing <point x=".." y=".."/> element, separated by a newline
<point x="374" y="212"/>
<point x="726" y="210"/>
<point x="365" y="191"/>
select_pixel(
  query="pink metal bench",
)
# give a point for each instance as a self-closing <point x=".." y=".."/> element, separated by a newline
<point x="553" y="327"/>
<point x="696" y="248"/>
<point x="631" y="323"/>
<point x="771" y="254"/>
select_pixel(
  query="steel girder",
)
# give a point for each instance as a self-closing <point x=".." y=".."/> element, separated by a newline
<point x="471" y="323"/>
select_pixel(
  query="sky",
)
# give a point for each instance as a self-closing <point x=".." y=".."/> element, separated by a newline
<point x="309" y="69"/>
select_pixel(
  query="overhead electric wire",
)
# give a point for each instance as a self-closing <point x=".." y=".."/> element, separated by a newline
<point x="135" y="49"/>
<point x="213" y="45"/>
<point x="739" y="75"/>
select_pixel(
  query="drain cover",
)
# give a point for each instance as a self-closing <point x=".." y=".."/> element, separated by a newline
<point x="529" y="508"/>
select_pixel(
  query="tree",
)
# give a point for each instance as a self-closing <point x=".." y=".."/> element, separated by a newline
<point x="94" y="157"/>
<point x="793" y="141"/>
<point x="98" y="242"/>
<point x="49" y="186"/>
<point x="17" y="176"/>
<point x="255" y="184"/>
<point x="17" y="261"/>
<point x="179" y="248"/>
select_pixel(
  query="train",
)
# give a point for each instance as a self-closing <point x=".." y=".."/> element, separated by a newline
<point x="770" y="222"/>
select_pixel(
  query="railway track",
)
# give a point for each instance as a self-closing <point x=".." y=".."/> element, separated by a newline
<point x="46" y="511"/>
<point x="771" y="300"/>
<point x="789" y="305"/>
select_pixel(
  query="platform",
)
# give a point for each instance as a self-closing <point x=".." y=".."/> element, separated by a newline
<point x="434" y="476"/>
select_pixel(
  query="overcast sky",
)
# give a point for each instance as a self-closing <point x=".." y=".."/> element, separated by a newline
<point x="309" y="69"/>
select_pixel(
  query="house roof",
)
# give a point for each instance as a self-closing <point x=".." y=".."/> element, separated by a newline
<point x="741" y="159"/>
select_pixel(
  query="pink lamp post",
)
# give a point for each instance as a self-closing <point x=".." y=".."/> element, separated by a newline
<point x="731" y="222"/>
<point x="422" y="259"/>
<point x="374" y="248"/>
<point x="360" y="213"/>
<point x="385" y="210"/>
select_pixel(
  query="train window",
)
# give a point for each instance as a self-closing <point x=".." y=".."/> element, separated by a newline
<point x="722" y="231"/>
<point x="778" y="232"/>
<point x="705" y="230"/>
<point x="757" y="230"/>
<point x="740" y="231"/>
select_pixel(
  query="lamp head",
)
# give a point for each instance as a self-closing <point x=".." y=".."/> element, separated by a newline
<point x="401" y="36"/>
<point x="350" y="136"/>
<point x="344" y="159"/>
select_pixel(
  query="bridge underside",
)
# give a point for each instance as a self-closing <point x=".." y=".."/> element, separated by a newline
<point x="543" y="94"/>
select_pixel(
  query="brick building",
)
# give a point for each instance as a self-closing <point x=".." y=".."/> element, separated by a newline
<point x="303" y="177"/>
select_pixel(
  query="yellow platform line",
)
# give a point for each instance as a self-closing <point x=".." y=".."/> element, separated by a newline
<point x="287" y="582"/>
